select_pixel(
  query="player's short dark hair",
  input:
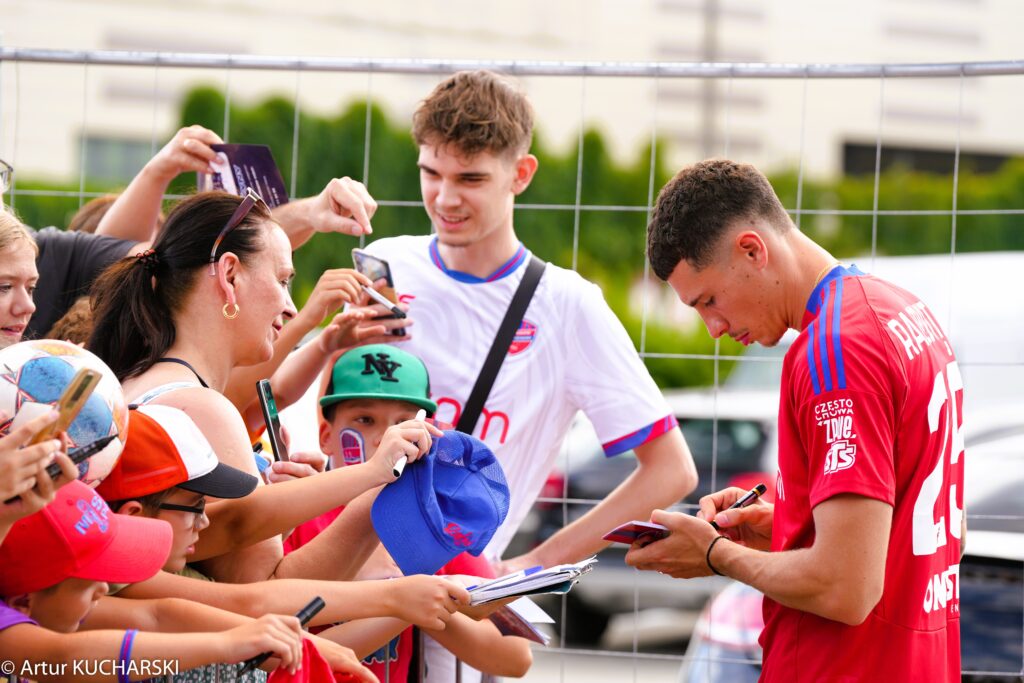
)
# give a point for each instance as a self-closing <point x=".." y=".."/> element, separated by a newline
<point x="473" y="112"/>
<point x="695" y="208"/>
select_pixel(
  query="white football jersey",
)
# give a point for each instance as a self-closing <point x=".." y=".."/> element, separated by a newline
<point x="570" y="353"/>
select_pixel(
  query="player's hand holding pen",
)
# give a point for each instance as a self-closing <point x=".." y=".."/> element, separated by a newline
<point x="686" y="551"/>
<point x="749" y="523"/>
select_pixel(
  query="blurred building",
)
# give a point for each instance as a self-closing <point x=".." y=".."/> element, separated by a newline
<point x="53" y="116"/>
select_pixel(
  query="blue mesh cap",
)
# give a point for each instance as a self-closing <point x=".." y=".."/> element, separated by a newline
<point x="448" y="502"/>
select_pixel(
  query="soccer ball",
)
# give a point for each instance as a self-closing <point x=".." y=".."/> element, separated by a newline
<point x="34" y="374"/>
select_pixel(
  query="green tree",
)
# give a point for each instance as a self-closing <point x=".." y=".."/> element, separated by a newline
<point x="609" y="243"/>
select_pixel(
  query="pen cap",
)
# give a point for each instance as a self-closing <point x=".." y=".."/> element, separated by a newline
<point x="379" y="371"/>
<point x="449" y="502"/>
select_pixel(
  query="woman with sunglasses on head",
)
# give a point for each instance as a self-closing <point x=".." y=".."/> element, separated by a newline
<point x="175" y="320"/>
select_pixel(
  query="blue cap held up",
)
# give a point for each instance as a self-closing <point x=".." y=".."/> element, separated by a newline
<point x="448" y="502"/>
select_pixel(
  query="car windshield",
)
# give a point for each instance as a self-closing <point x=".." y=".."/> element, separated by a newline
<point x="736" y="446"/>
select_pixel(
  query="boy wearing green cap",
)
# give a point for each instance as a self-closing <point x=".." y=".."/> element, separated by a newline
<point x="370" y="402"/>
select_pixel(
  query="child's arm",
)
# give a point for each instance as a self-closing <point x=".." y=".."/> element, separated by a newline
<point x="423" y="600"/>
<point x="174" y="615"/>
<point x="162" y="615"/>
<point x="272" y="510"/>
<point x="365" y="636"/>
<point x="27" y="644"/>
<point x="481" y="645"/>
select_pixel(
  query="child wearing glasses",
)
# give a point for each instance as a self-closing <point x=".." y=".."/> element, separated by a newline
<point x="167" y="469"/>
<point x="57" y="563"/>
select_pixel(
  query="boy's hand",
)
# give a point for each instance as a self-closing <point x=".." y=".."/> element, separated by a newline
<point x="274" y="633"/>
<point x="188" y="150"/>
<point x="426" y="601"/>
<point x="42" y="493"/>
<point x="378" y="314"/>
<point x="411" y="438"/>
<point x="334" y="288"/>
<point x="351" y="328"/>
<point x="344" y="206"/>
<point x="299" y="465"/>
<point x="17" y="461"/>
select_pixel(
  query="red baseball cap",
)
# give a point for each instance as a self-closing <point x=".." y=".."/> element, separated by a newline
<point x="78" y="536"/>
<point x="164" y="449"/>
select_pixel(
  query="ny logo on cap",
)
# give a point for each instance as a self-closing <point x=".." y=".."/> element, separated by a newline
<point x="382" y="364"/>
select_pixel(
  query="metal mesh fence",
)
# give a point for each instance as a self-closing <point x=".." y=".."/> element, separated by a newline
<point x="583" y="86"/>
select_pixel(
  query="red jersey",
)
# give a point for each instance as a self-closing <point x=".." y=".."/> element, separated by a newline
<point x="871" y="405"/>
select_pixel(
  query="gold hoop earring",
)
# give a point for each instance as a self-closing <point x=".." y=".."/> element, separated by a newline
<point x="234" y="312"/>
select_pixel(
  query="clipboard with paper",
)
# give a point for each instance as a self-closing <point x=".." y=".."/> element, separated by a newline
<point x="533" y="581"/>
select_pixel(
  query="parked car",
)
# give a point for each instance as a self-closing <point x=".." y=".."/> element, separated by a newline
<point x="724" y="647"/>
<point x="732" y="437"/>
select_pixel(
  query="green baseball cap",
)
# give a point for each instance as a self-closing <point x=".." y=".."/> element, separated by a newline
<point x="379" y="371"/>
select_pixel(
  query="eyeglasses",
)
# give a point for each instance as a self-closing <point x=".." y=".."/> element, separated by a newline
<point x="251" y="199"/>
<point x="6" y="172"/>
<point x="199" y="509"/>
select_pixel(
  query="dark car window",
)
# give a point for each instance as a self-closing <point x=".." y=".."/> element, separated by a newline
<point x="740" y="442"/>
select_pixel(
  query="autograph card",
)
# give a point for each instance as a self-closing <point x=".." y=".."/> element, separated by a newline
<point x="631" y="532"/>
<point x="239" y="167"/>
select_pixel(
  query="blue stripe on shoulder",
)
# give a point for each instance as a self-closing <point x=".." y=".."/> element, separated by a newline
<point x="837" y="339"/>
<point x="822" y="331"/>
<point x="810" y="358"/>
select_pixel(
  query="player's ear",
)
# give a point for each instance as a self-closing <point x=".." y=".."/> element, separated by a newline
<point x="752" y="248"/>
<point x="525" y="168"/>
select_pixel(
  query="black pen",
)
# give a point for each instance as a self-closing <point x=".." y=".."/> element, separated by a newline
<point x="382" y="300"/>
<point x="77" y="455"/>
<point x="303" y="615"/>
<point x="748" y="498"/>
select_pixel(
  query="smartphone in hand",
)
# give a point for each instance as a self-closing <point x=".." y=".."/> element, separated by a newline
<point x="377" y="269"/>
<point x="631" y="532"/>
<point x="70" y="404"/>
<point x="272" y="420"/>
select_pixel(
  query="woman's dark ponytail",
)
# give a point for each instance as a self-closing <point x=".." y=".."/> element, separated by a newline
<point x="135" y="300"/>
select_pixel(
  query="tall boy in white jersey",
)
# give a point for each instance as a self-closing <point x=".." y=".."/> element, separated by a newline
<point x="570" y="353"/>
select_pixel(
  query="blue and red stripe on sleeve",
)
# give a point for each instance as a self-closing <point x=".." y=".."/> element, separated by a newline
<point x="640" y="436"/>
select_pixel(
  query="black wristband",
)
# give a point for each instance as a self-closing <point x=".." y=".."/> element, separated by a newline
<point x="707" y="557"/>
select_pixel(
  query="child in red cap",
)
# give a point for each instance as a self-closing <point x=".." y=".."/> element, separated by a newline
<point x="166" y="470"/>
<point x="57" y="563"/>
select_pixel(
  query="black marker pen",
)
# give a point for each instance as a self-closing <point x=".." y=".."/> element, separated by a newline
<point x="748" y="498"/>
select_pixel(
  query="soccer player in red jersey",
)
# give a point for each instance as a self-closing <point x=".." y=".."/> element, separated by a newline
<point x="867" y="530"/>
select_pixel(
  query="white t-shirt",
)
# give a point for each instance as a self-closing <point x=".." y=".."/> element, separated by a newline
<point x="570" y="353"/>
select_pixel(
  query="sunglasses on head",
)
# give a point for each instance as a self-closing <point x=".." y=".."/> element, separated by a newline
<point x="250" y="200"/>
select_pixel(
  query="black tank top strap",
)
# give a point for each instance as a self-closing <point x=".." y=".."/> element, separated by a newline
<point x="179" y="361"/>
